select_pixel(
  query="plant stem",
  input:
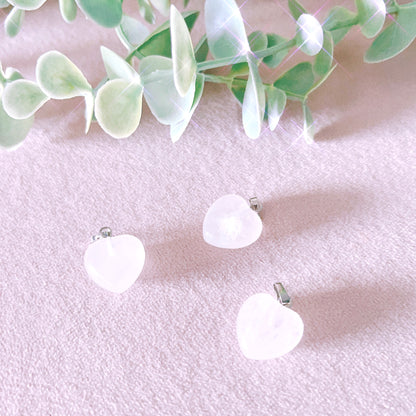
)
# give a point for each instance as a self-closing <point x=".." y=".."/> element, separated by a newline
<point x="342" y="25"/>
<point x="217" y="63"/>
<point x="218" y="79"/>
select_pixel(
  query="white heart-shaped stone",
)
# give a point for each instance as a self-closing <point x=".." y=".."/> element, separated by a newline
<point x="266" y="329"/>
<point x="115" y="263"/>
<point x="231" y="223"/>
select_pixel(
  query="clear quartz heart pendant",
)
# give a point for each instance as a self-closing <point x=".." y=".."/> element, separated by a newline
<point x="266" y="327"/>
<point x="232" y="223"/>
<point x="114" y="263"/>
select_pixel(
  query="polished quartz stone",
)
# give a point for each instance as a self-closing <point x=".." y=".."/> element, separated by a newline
<point x="115" y="263"/>
<point x="266" y="329"/>
<point x="231" y="223"/>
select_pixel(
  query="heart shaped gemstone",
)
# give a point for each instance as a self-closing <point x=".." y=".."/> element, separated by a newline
<point x="266" y="329"/>
<point x="115" y="263"/>
<point x="231" y="223"/>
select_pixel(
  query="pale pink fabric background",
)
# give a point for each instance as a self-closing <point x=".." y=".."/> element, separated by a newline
<point x="339" y="231"/>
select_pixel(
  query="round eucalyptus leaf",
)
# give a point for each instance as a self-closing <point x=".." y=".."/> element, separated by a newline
<point x="160" y="92"/>
<point x="276" y="103"/>
<point x="118" y="107"/>
<point x="297" y="81"/>
<point x="308" y="124"/>
<point x="254" y="101"/>
<point x="14" y="21"/>
<point x="257" y="40"/>
<point x="225" y="29"/>
<point x="183" y="58"/>
<point x="371" y="15"/>
<point x="117" y="67"/>
<point x="131" y="32"/>
<point x="59" y="78"/>
<point x="27" y="4"/>
<point x="177" y="129"/>
<point x="339" y="16"/>
<point x="274" y="60"/>
<point x="68" y="10"/>
<point x="89" y="111"/>
<point x="12" y="131"/>
<point x="22" y="98"/>
<point x="159" y="41"/>
<point x="323" y="60"/>
<point x="296" y="9"/>
<point x="201" y="49"/>
<point x="107" y="13"/>
<point x="238" y="89"/>
<point x="310" y="35"/>
<point x="394" y="38"/>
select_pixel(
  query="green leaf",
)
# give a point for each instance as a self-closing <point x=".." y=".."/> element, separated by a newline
<point x="68" y="10"/>
<point x="371" y="15"/>
<point x="107" y="13"/>
<point x="131" y="32"/>
<point x="183" y="58"/>
<point x="394" y="38"/>
<point x="27" y="4"/>
<point x="4" y="3"/>
<point x="310" y="36"/>
<point x="225" y="29"/>
<point x="14" y="21"/>
<point x="296" y="9"/>
<point x="276" y="103"/>
<point x="240" y="69"/>
<point x="185" y="3"/>
<point x="159" y="42"/>
<point x="238" y="88"/>
<point x="59" y="78"/>
<point x="323" y="60"/>
<point x="339" y="16"/>
<point x="297" y="81"/>
<point x="22" y="98"/>
<point x="201" y="49"/>
<point x="162" y="6"/>
<point x="274" y="60"/>
<point x="160" y="92"/>
<point x="117" y="67"/>
<point x="320" y="81"/>
<point x="254" y="101"/>
<point x="308" y="125"/>
<point x="177" y="129"/>
<point x="146" y="11"/>
<point x="12" y="131"/>
<point x="257" y="40"/>
<point x="89" y="111"/>
<point x="118" y="107"/>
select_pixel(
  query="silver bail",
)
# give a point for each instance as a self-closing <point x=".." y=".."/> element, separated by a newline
<point x="255" y="204"/>
<point x="104" y="233"/>
<point x="282" y="295"/>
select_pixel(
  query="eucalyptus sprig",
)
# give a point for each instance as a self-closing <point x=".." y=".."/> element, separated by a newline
<point x="167" y="71"/>
<point x="107" y="13"/>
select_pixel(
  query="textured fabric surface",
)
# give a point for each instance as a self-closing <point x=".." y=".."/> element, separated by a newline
<point x="339" y="231"/>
